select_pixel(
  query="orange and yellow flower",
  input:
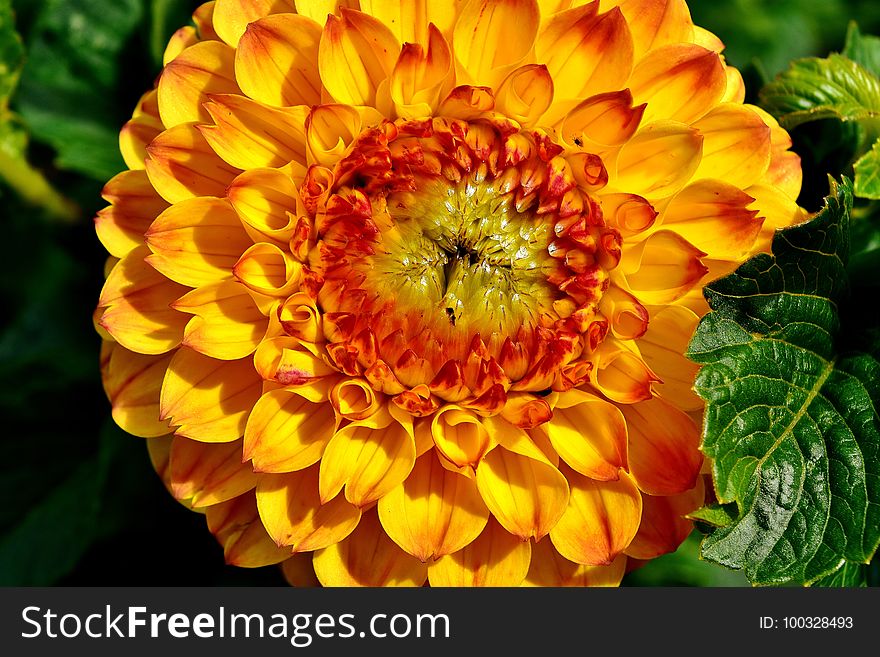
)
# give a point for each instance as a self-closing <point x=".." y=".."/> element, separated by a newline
<point x="399" y="291"/>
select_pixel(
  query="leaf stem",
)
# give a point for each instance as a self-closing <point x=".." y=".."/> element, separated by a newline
<point x="34" y="189"/>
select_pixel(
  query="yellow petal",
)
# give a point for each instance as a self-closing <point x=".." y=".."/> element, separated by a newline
<point x="134" y="206"/>
<point x="627" y="318"/>
<point x="668" y="266"/>
<point x="317" y="10"/>
<point x="287" y="432"/>
<point x="369" y="461"/>
<point x="420" y="74"/>
<point x="550" y="7"/>
<point x="137" y="306"/>
<point x="422" y="434"/>
<point x="132" y="382"/>
<point x="202" y="69"/>
<point x="290" y="362"/>
<point x="621" y="373"/>
<point x="248" y="134"/>
<point x="182" y="39"/>
<point x="206" y="473"/>
<point x="663" y="347"/>
<point x="785" y="171"/>
<point x="601" y="519"/>
<point x="197" y="241"/>
<point x="495" y="558"/>
<point x="526" y="496"/>
<point x="434" y="512"/>
<point x="630" y="214"/>
<point x="658" y="160"/>
<point x="532" y="445"/>
<point x="292" y="513"/>
<point x="549" y="568"/>
<point x="418" y="401"/>
<point x="227" y="325"/>
<point x="266" y="269"/>
<point x="525" y="94"/>
<point x="586" y="53"/>
<point x="587" y="169"/>
<point x="206" y="399"/>
<point x="181" y="164"/>
<point x="703" y="37"/>
<point x="367" y="557"/>
<point x="694" y="301"/>
<point x="231" y="17"/>
<point x="203" y="18"/>
<point x="236" y="525"/>
<point x="276" y="61"/>
<point x="356" y="54"/>
<point x="330" y="129"/>
<point x="655" y="23"/>
<point x="410" y="20"/>
<point x="736" y="87"/>
<point x="468" y="103"/>
<point x="299" y="571"/>
<point x="159" y="449"/>
<point x="778" y="210"/>
<point x="490" y="36"/>
<point x="267" y="202"/>
<point x="525" y="410"/>
<point x="664" y="525"/>
<point x="736" y="145"/>
<point x="589" y="434"/>
<point x="607" y="119"/>
<point x="143" y="127"/>
<point x="354" y="399"/>
<point x="148" y="108"/>
<point x="664" y="455"/>
<point x="714" y="217"/>
<point x="680" y="81"/>
<point x="460" y="436"/>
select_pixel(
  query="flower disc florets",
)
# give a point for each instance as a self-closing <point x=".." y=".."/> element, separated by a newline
<point x="462" y="263"/>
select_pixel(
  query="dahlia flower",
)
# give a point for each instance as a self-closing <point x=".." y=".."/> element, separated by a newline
<point x="399" y="291"/>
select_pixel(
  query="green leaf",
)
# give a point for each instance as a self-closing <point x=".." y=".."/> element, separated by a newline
<point x="844" y="88"/>
<point x="15" y="170"/>
<point x="13" y="138"/>
<point x="13" y="135"/>
<point x="791" y="418"/>
<point x="716" y="515"/>
<point x="832" y="88"/>
<point x="72" y="76"/>
<point x="865" y="51"/>
<point x="11" y="54"/>
<point x="862" y="49"/>
<point x="56" y="531"/>
<point x="864" y="261"/>
<point x="867" y="169"/>
<point x="85" y="503"/>
<point x="773" y="32"/>
<point x="683" y="568"/>
<point x="848" y="576"/>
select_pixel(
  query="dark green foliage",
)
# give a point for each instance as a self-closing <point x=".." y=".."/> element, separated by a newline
<point x="791" y="408"/>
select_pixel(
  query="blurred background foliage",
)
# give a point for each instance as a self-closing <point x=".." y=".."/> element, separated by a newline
<point x="81" y="503"/>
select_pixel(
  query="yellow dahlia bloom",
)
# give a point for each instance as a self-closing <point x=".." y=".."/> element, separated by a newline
<point x="399" y="291"/>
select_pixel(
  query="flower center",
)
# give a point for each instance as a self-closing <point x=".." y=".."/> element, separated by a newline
<point x="464" y="260"/>
<point x="461" y="257"/>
